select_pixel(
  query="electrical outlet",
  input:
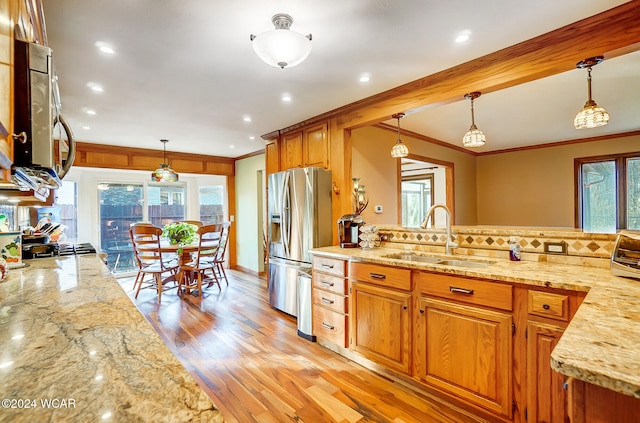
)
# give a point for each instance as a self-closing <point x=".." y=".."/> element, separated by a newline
<point x="555" y="247"/>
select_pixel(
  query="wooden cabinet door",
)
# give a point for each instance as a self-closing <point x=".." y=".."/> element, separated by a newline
<point x="6" y="89"/>
<point x="272" y="161"/>
<point x="291" y="150"/>
<point x="315" y="146"/>
<point x="380" y="325"/>
<point x="546" y="400"/>
<point x="466" y="351"/>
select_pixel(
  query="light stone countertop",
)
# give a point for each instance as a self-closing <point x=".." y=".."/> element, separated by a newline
<point x="601" y="345"/>
<point x="70" y="335"/>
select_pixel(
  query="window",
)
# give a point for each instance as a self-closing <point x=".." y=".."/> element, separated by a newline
<point x="608" y="192"/>
<point x="165" y="203"/>
<point x="211" y="204"/>
<point x="416" y="200"/>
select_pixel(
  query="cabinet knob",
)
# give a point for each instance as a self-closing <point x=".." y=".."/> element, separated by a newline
<point x="546" y="306"/>
<point x="422" y="311"/>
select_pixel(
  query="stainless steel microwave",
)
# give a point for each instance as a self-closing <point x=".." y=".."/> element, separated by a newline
<point x="39" y="159"/>
<point x="625" y="260"/>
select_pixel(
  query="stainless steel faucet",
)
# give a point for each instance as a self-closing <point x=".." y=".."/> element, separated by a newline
<point x="450" y="242"/>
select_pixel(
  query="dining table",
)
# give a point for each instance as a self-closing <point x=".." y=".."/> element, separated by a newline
<point x="185" y="255"/>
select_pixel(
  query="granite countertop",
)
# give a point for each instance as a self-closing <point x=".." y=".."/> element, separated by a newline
<point x="75" y="348"/>
<point x="601" y="345"/>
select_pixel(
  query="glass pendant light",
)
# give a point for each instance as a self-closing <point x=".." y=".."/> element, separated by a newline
<point x="591" y="115"/>
<point x="399" y="149"/>
<point x="164" y="173"/>
<point x="475" y="137"/>
<point x="281" y="47"/>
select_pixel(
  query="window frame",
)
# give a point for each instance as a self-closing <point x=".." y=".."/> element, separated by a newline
<point x="620" y="161"/>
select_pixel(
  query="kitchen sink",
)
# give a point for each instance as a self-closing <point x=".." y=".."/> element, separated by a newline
<point x="439" y="260"/>
<point x="464" y="263"/>
<point x="415" y="257"/>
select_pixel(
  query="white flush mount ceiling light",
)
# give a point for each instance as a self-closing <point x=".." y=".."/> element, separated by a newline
<point x="282" y="47"/>
<point x="591" y="115"/>
<point x="475" y="137"/>
<point x="164" y="173"/>
<point x="399" y="149"/>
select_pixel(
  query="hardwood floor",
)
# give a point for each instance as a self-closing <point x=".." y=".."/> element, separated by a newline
<point x="249" y="359"/>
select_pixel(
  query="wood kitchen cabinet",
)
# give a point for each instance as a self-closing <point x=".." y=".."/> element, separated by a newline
<point x="291" y="150"/>
<point x="272" y="161"/>
<point x="7" y="11"/>
<point x="330" y="301"/>
<point x="548" y="315"/>
<point x="593" y="404"/>
<point x="306" y="147"/>
<point x="315" y="147"/>
<point x="380" y="318"/>
<point x="463" y="340"/>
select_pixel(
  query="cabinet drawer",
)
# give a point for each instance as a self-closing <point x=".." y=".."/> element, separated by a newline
<point x="330" y="325"/>
<point x="335" y="284"/>
<point x="332" y="266"/>
<point x="469" y="291"/>
<point x="391" y="277"/>
<point x="330" y="300"/>
<point x="547" y="304"/>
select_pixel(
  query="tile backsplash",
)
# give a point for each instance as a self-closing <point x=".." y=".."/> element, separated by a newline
<point x="581" y="247"/>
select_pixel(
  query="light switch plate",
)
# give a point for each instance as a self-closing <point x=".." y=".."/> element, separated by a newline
<point x="378" y="209"/>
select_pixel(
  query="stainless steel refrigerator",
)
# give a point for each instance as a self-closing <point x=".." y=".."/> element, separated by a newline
<point x="299" y="204"/>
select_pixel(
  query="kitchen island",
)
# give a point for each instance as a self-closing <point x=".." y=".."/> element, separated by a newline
<point x="74" y="348"/>
<point x="599" y="346"/>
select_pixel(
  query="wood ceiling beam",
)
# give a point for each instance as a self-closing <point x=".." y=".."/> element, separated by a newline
<point x="610" y="34"/>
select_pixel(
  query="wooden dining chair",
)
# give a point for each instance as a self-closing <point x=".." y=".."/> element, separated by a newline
<point x="192" y="273"/>
<point x="145" y="239"/>
<point x="219" y="257"/>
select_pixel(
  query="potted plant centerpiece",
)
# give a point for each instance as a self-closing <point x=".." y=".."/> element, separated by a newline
<point x="180" y="233"/>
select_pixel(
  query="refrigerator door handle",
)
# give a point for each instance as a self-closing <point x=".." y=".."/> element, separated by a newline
<point x="286" y="214"/>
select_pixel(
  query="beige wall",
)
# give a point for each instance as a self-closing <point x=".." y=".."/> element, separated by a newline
<point x="523" y="188"/>
<point x="249" y="230"/>
<point x="372" y="162"/>
<point x="536" y="187"/>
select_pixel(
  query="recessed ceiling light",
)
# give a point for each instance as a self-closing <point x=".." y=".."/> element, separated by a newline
<point x="364" y="78"/>
<point x="104" y="47"/>
<point x="252" y="137"/>
<point x="86" y="127"/>
<point x="286" y="97"/>
<point x="247" y="119"/>
<point x="91" y="112"/>
<point x="232" y="146"/>
<point x="463" y="36"/>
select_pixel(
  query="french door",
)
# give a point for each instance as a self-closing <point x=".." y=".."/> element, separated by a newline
<point x="122" y="204"/>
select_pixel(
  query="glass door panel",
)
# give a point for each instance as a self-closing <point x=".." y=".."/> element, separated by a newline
<point x="165" y="203"/>
<point x="211" y="204"/>
<point x="121" y="204"/>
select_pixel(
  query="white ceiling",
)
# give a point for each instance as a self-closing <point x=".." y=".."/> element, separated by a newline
<point x="186" y="70"/>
